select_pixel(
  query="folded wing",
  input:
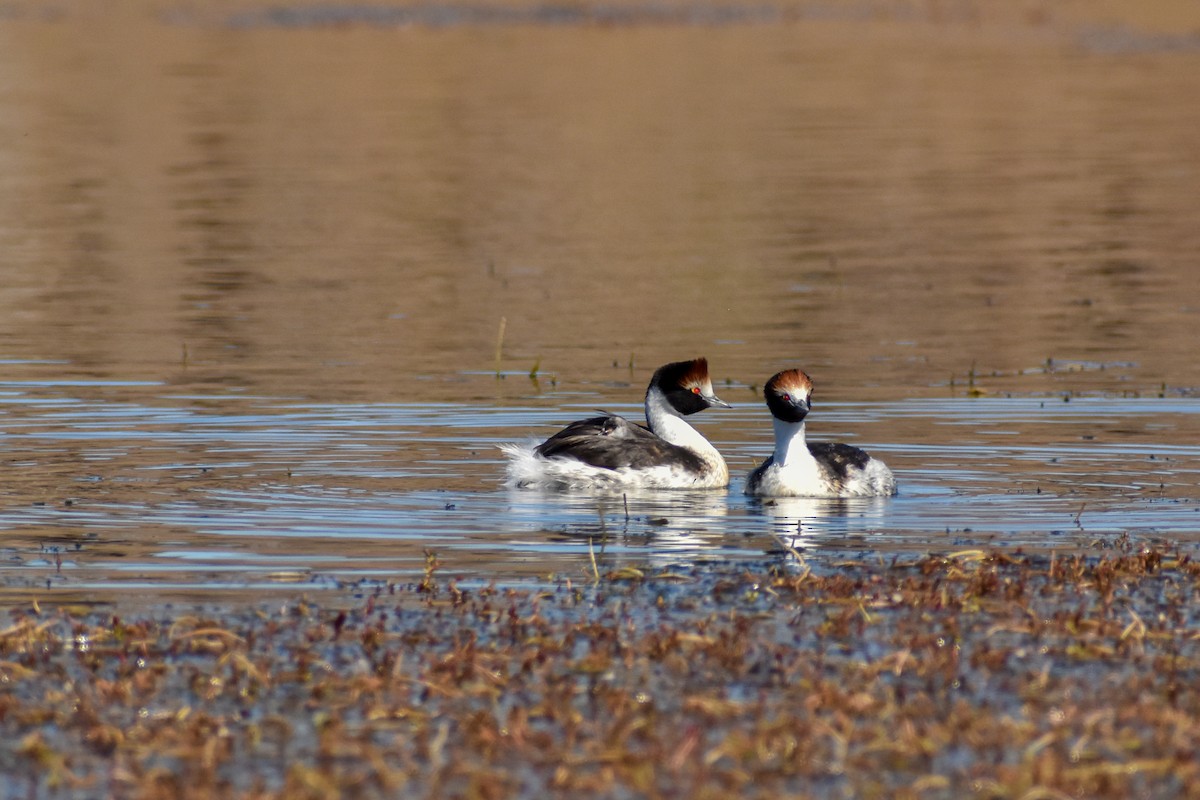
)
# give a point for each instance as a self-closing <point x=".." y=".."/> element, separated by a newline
<point x="613" y="442"/>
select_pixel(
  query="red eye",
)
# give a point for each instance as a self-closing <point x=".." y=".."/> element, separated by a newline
<point x="695" y="390"/>
<point x="787" y="398"/>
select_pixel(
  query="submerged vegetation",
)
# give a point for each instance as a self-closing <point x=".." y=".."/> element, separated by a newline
<point x="981" y="674"/>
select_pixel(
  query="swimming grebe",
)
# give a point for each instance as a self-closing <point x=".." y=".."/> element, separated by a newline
<point x="800" y="469"/>
<point x="610" y="452"/>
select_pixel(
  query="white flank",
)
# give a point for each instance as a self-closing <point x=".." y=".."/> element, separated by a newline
<point x="528" y="470"/>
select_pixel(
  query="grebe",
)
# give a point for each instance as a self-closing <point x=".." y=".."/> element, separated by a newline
<point x="612" y="453"/>
<point x="800" y="469"/>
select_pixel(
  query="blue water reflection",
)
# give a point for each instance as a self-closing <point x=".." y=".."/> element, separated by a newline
<point x="218" y="492"/>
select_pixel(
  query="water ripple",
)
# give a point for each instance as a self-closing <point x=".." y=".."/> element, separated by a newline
<point x="230" y="492"/>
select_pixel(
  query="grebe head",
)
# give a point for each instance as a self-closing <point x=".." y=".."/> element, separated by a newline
<point x="685" y="385"/>
<point x="789" y="395"/>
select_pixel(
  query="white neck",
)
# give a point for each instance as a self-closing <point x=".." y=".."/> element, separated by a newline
<point x="665" y="421"/>
<point x="789" y="442"/>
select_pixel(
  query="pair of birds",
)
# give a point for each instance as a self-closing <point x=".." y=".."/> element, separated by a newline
<point x="610" y="452"/>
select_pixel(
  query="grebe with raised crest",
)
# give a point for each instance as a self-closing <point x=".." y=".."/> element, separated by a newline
<point x="611" y="453"/>
<point x="798" y="468"/>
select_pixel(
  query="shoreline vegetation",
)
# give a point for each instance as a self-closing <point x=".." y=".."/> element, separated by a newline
<point x="986" y="674"/>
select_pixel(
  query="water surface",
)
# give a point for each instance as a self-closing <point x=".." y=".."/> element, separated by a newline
<point x="285" y="496"/>
<point x="262" y="264"/>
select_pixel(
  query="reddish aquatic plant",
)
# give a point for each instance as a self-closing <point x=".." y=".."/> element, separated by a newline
<point x="974" y="672"/>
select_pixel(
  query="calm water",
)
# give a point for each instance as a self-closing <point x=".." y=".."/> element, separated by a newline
<point x="255" y="263"/>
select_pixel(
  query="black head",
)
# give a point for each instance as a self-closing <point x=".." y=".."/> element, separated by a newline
<point x="789" y="395"/>
<point x="686" y="386"/>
